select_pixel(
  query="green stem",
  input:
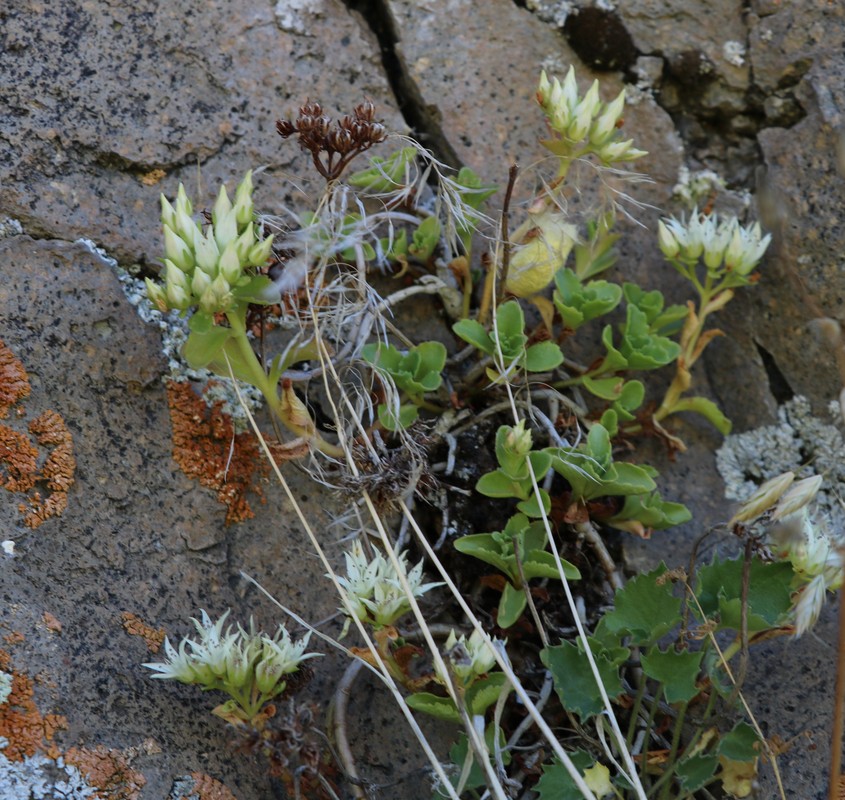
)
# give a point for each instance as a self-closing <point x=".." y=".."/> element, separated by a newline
<point x="666" y="779"/>
<point x="258" y="378"/>
<point x="635" y="714"/>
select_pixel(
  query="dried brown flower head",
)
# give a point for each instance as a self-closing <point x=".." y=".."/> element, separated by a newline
<point x="333" y="144"/>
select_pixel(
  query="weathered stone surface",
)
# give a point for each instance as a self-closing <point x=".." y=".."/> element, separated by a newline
<point x="109" y="104"/>
<point x="137" y="535"/>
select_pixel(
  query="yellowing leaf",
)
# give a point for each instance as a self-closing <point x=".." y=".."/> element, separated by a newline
<point x="597" y="778"/>
<point x="738" y="776"/>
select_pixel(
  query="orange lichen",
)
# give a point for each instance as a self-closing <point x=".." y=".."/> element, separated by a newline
<point x="152" y="177"/>
<point x="206" y="447"/>
<point x="18" y="461"/>
<point x="14" y="382"/>
<point x="135" y="626"/>
<point x="207" y="788"/>
<point x="53" y="624"/>
<point x="22" y="724"/>
<point x="107" y="770"/>
<point x="19" y="470"/>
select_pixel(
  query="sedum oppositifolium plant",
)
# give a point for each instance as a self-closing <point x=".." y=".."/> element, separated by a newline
<point x="558" y="366"/>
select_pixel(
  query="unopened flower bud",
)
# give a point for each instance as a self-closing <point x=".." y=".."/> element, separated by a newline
<point x="222" y="206"/>
<point x="229" y="265"/>
<point x="267" y="677"/>
<point x="668" y="243"/>
<point x="186" y="228"/>
<point x="243" y="200"/>
<point x="605" y="125"/>
<point x="207" y="254"/>
<point x="168" y="213"/>
<point x="226" y="229"/>
<point x="260" y="252"/>
<point x="200" y="281"/>
<point x="245" y="243"/>
<point x="177" y="250"/>
<point x="177" y="297"/>
<point x="182" y="202"/>
<point x="237" y="668"/>
<point x="174" y="276"/>
<point x="157" y="295"/>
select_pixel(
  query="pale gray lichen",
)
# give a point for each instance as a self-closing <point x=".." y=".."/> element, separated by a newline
<point x="5" y="686"/>
<point x="800" y="442"/>
<point x="184" y="789"/>
<point x="734" y="53"/>
<point x="694" y="187"/>
<point x="294" y="16"/>
<point x="552" y="11"/>
<point x="10" y="227"/>
<point x="174" y="331"/>
<point x="40" y="778"/>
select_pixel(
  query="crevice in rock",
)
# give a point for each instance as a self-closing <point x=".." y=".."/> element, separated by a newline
<point x="778" y="384"/>
<point x="422" y="119"/>
<point x="719" y="124"/>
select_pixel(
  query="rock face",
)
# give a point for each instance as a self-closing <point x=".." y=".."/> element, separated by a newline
<point x="108" y="104"/>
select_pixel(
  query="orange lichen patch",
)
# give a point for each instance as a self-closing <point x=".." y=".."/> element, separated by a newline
<point x="135" y="626"/>
<point x="53" y="624"/>
<point x="207" y="788"/>
<point x="108" y="770"/>
<point x="152" y="177"/>
<point x="206" y="448"/>
<point x="18" y="461"/>
<point x="58" y="471"/>
<point x="15" y="637"/>
<point x="22" y="724"/>
<point x="14" y="382"/>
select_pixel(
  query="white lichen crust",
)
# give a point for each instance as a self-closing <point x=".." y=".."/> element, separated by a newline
<point x="40" y="778"/>
<point x="800" y="442"/>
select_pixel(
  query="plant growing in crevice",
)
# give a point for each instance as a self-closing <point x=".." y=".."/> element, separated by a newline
<point x="559" y="481"/>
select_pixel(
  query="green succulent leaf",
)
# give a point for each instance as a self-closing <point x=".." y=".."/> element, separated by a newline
<point x="543" y="357"/>
<point x="664" y="323"/>
<point x="384" y="174"/>
<point x="393" y="422"/>
<point x="677" y="671"/>
<point x="509" y="332"/>
<point x="578" y="303"/>
<point x="643" y="349"/>
<point x="425" y="239"/>
<point x="541" y="564"/>
<point x="644" y="609"/>
<point x="499" y="484"/>
<point x="604" y="388"/>
<point x="532" y="507"/>
<point x="415" y="372"/>
<point x="708" y="409"/>
<point x="651" y="511"/>
<point x="486" y="548"/>
<point x="473" y="332"/>
<point x="485" y="692"/>
<point x="439" y="707"/>
<point x="460" y="750"/>
<point x="511" y="605"/>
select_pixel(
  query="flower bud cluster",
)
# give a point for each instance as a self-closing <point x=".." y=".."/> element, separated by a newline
<point x="469" y="659"/>
<point x="244" y="664"/>
<point x="374" y="590"/>
<point x="202" y="268"/>
<point x="578" y="119"/>
<point x="340" y="141"/>
<point x="725" y="245"/>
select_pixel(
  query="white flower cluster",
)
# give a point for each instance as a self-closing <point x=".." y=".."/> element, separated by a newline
<point x="234" y="660"/>
<point x="203" y="268"/>
<point x="576" y="118"/>
<point x="374" y="590"/>
<point x="725" y="245"/>
<point x="469" y="659"/>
